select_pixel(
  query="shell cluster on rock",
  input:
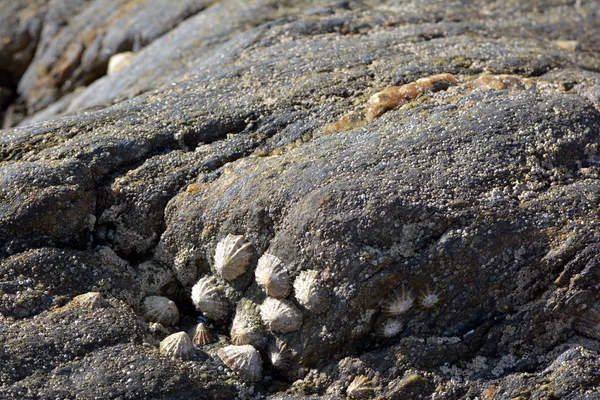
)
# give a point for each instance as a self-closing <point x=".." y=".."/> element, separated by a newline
<point x="162" y="310"/>
<point x="272" y="276"/>
<point x="232" y="257"/>
<point x="177" y="346"/>
<point x="244" y="360"/>
<point x="208" y="299"/>
<point x="310" y="292"/>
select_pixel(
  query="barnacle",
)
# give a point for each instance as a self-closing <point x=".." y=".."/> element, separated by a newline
<point x="247" y="328"/>
<point x="399" y="303"/>
<point x="311" y="292"/>
<point x="177" y="346"/>
<point x="232" y="257"/>
<point x="162" y="310"/>
<point x="201" y="333"/>
<point x="90" y="300"/>
<point x="280" y="315"/>
<point x="360" y="388"/>
<point x="429" y="298"/>
<point x="272" y="276"/>
<point x="243" y="360"/>
<point x="206" y="296"/>
<point x="395" y="96"/>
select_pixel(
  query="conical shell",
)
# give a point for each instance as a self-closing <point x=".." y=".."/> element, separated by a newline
<point x="162" y="310"/>
<point x="177" y="346"/>
<point x="360" y="388"/>
<point x="243" y="360"/>
<point x="207" y="297"/>
<point x="280" y="355"/>
<point x="272" y="276"/>
<point x="280" y="315"/>
<point x="91" y="300"/>
<point x="310" y="291"/>
<point x="232" y="257"/>
<point x="247" y="327"/>
<point x="201" y="334"/>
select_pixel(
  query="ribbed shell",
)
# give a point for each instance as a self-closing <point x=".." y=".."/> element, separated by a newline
<point x="232" y="257"/>
<point x="90" y="300"/>
<point x="399" y="303"/>
<point x="280" y="315"/>
<point x="247" y="327"/>
<point x="272" y="276"/>
<point x="243" y="360"/>
<point x="177" y="346"/>
<point x="280" y="355"/>
<point x="201" y="334"/>
<point x="207" y="297"/>
<point x="310" y="292"/>
<point x="162" y="310"/>
<point x="360" y="388"/>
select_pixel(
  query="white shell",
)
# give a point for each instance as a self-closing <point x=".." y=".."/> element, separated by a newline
<point x="398" y="303"/>
<point x="207" y="298"/>
<point x="119" y="61"/>
<point x="232" y="257"/>
<point x="272" y="276"/>
<point x="360" y="388"/>
<point x="162" y="310"/>
<point x="243" y="360"/>
<point x="280" y="315"/>
<point x="91" y="300"/>
<point x="390" y="327"/>
<point x="247" y="327"/>
<point x="429" y="298"/>
<point x="309" y="291"/>
<point x="201" y="334"/>
<point x="177" y="346"/>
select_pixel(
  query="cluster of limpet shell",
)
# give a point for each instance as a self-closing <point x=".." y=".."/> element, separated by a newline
<point x="401" y="302"/>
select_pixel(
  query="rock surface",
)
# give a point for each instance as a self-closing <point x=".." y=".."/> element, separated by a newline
<point x="478" y="201"/>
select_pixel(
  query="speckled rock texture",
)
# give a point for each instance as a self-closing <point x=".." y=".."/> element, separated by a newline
<point x="447" y="249"/>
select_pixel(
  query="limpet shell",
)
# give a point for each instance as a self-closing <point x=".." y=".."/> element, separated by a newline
<point x="247" y="327"/>
<point x="232" y="257"/>
<point x="360" y="388"/>
<point x="161" y="309"/>
<point x="272" y="276"/>
<point x="90" y="300"/>
<point x="310" y="291"/>
<point x="280" y="355"/>
<point x="243" y="360"/>
<point x="201" y="334"/>
<point x="280" y="315"/>
<point x="177" y="346"/>
<point x="399" y="303"/>
<point x="207" y="297"/>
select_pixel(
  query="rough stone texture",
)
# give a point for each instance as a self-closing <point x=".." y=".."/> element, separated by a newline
<point x="484" y="194"/>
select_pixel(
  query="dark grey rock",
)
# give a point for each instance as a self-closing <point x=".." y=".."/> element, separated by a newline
<point x="479" y="201"/>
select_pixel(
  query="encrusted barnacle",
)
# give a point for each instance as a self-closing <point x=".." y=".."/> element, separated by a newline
<point x="247" y="327"/>
<point x="243" y="360"/>
<point x="201" y="333"/>
<point x="429" y="298"/>
<point x="177" y="346"/>
<point x="272" y="276"/>
<point x="310" y="291"/>
<point x="162" y="310"/>
<point x="207" y="297"/>
<point x="90" y="300"/>
<point x="360" y="388"/>
<point x="232" y="257"/>
<point x="399" y="303"/>
<point x="395" y="96"/>
<point x="390" y="327"/>
<point x="280" y="315"/>
<point x="280" y="355"/>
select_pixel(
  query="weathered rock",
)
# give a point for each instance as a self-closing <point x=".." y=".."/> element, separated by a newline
<point x="480" y="198"/>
